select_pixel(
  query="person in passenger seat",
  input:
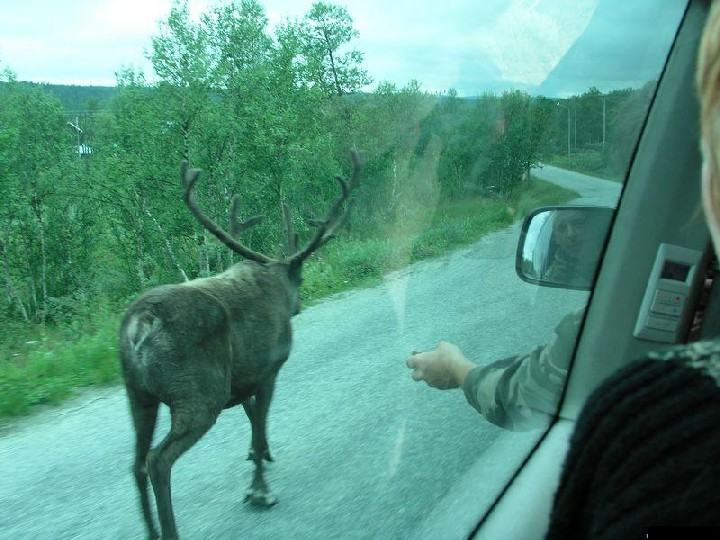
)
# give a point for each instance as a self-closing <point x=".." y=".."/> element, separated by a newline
<point x="646" y="447"/>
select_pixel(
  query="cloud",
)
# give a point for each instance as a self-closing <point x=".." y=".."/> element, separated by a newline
<point x="531" y="36"/>
<point x="77" y="42"/>
<point x="404" y="40"/>
<point x="470" y="45"/>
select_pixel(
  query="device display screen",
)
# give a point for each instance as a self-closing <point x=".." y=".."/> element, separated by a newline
<point x="675" y="271"/>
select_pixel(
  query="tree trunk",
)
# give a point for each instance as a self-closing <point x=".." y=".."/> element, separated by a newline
<point x="140" y="259"/>
<point x="10" y="289"/>
<point x="203" y="258"/>
<point x="38" y="211"/>
<point x="168" y="245"/>
<point x="139" y="238"/>
<point x="219" y="266"/>
<point x="33" y="301"/>
<point x="333" y="69"/>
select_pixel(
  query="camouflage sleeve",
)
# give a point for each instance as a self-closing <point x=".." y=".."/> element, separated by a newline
<point x="521" y="392"/>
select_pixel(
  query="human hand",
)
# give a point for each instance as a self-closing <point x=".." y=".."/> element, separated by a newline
<point x="445" y="367"/>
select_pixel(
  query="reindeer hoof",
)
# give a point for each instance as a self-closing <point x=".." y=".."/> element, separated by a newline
<point x="261" y="498"/>
<point x="266" y="457"/>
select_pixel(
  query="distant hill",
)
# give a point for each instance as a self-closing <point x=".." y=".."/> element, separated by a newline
<point x="78" y="98"/>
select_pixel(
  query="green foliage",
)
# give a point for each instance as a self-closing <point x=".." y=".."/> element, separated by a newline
<point x="596" y="133"/>
<point x="92" y="216"/>
<point x="489" y="144"/>
<point x="350" y="262"/>
<point x="624" y="127"/>
<point x="74" y="98"/>
<point x="322" y="36"/>
<point x="523" y="123"/>
<point x="42" y="226"/>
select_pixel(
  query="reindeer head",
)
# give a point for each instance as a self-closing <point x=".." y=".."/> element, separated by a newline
<point x="325" y="229"/>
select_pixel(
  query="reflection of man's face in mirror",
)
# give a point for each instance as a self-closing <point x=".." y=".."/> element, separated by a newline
<point x="568" y="230"/>
<point x="565" y="245"/>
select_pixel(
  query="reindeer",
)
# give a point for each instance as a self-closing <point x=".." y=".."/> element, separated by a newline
<point x="211" y="343"/>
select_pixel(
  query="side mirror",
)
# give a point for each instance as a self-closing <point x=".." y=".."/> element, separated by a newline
<point x="560" y="246"/>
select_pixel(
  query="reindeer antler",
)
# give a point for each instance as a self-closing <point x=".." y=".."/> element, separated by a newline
<point x="326" y="228"/>
<point x="336" y="216"/>
<point x="189" y="178"/>
<point x="237" y="228"/>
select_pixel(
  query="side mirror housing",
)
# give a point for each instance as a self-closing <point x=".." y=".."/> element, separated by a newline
<point x="560" y="246"/>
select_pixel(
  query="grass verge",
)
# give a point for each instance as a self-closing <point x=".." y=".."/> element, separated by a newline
<point x="49" y="370"/>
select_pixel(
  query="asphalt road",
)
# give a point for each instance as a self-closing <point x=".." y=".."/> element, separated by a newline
<point x="593" y="191"/>
<point x="361" y="450"/>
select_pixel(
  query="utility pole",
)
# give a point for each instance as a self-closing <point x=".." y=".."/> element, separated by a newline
<point x="567" y="108"/>
<point x="78" y="131"/>
<point x="575" y="125"/>
<point x="568" y="129"/>
<point x="603" y="133"/>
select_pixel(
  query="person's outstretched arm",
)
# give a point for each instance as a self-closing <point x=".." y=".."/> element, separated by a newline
<point x="518" y="393"/>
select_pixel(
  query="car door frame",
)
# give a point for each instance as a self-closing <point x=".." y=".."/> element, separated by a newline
<point x="660" y="204"/>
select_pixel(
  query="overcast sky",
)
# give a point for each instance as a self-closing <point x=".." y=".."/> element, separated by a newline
<point x="470" y="45"/>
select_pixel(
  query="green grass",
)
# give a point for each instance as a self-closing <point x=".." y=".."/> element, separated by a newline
<point x="49" y="370"/>
<point x="541" y="193"/>
<point x="352" y="262"/>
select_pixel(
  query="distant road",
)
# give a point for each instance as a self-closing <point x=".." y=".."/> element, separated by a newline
<point x="361" y="450"/>
<point x="593" y="191"/>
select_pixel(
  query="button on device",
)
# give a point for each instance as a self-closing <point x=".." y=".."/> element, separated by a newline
<point x="667" y="309"/>
<point x="662" y="323"/>
<point x="668" y="297"/>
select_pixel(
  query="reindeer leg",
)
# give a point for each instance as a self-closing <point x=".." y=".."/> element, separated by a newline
<point x="259" y="492"/>
<point x="187" y="426"/>
<point x="144" y="414"/>
<point x="249" y="406"/>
